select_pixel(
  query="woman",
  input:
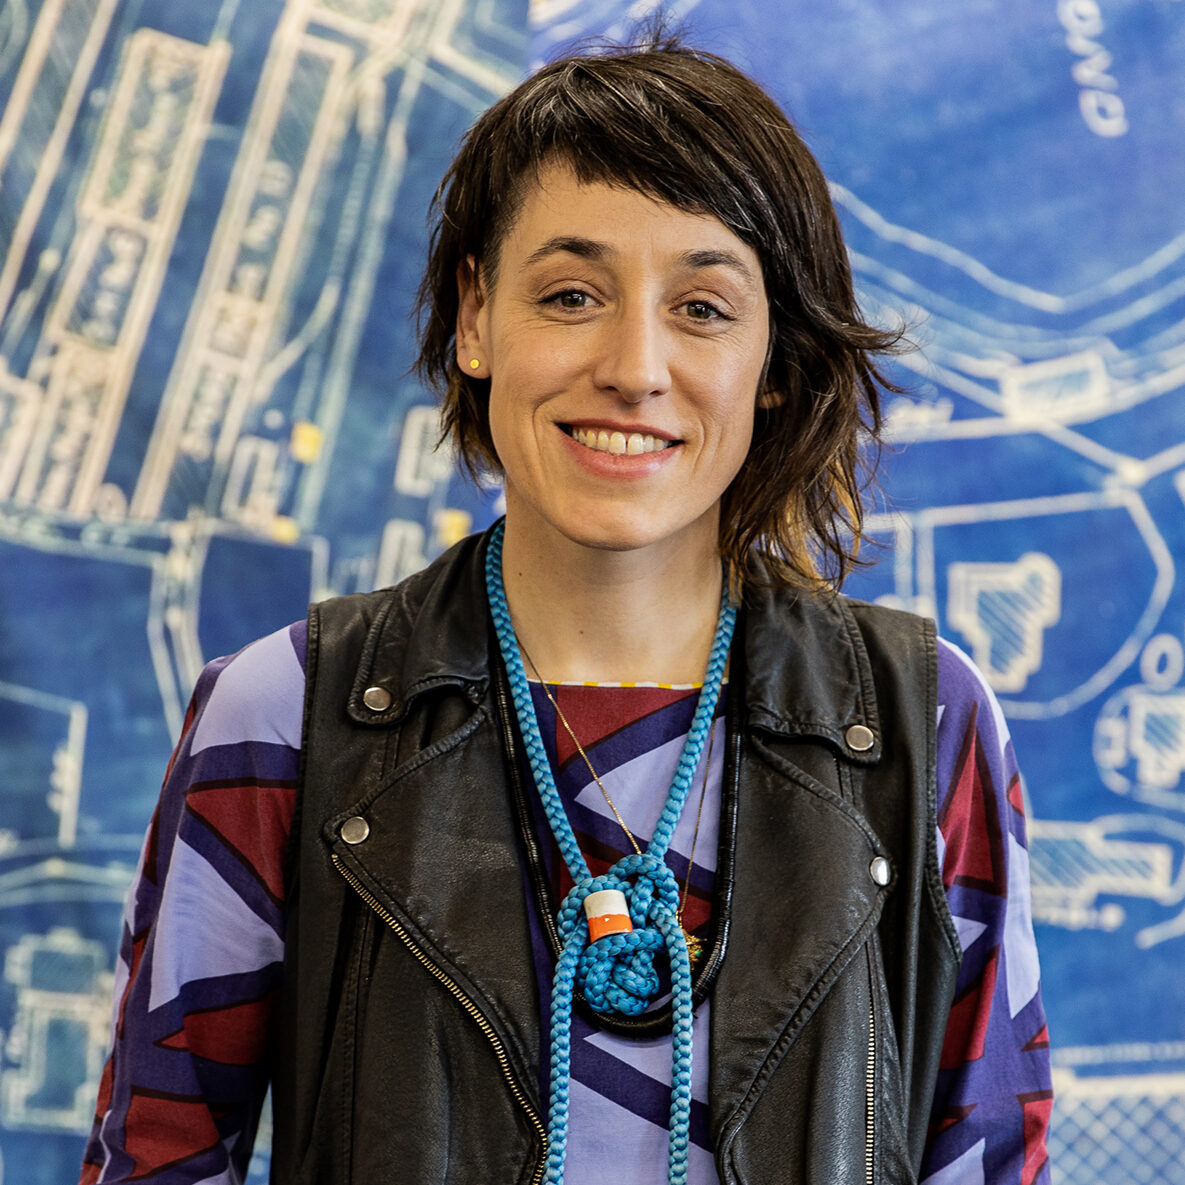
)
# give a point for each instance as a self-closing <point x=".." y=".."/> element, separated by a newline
<point x="624" y="849"/>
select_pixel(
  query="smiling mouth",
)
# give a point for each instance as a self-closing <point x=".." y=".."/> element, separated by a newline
<point x="619" y="444"/>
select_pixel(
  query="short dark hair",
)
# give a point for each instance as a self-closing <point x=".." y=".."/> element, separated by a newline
<point x="687" y="127"/>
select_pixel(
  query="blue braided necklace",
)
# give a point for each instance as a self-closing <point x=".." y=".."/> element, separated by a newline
<point x="616" y="973"/>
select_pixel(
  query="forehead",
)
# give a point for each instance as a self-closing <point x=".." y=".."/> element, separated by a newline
<point x="611" y="220"/>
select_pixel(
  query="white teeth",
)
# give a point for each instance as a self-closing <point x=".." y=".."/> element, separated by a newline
<point x="618" y="443"/>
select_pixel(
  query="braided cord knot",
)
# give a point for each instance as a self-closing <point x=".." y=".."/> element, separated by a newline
<point x="617" y="973"/>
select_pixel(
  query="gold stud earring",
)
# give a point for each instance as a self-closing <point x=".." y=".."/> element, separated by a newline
<point x="474" y="363"/>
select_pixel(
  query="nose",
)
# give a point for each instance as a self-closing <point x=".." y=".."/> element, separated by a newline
<point x="633" y="357"/>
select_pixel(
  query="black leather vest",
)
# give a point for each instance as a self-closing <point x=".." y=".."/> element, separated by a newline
<point x="408" y="1037"/>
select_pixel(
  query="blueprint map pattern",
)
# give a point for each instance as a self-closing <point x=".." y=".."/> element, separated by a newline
<point x="211" y="225"/>
<point x="212" y="218"/>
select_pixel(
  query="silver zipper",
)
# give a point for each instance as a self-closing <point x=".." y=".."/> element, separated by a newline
<point x="465" y="1002"/>
<point x="870" y="1098"/>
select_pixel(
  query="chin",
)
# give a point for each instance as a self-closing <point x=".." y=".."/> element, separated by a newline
<point x="614" y="542"/>
<point x="608" y="525"/>
<point x="634" y="533"/>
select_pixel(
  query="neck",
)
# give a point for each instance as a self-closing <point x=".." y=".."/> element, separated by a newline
<point x="587" y="614"/>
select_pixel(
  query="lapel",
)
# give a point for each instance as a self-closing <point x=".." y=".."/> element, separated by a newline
<point x="803" y="900"/>
<point x="442" y="855"/>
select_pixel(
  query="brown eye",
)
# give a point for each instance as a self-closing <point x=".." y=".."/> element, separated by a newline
<point x="701" y="310"/>
<point x="569" y="298"/>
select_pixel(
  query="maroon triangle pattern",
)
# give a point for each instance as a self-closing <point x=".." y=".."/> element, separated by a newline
<point x="166" y="1130"/>
<point x="603" y="711"/>
<point x="152" y="849"/>
<point x="951" y="1117"/>
<point x="970" y="822"/>
<point x="966" y="1029"/>
<point x="1040" y="1041"/>
<point x="1016" y="798"/>
<point x="174" y="1092"/>
<point x="139" y="942"/>
<point x="234" y="1036"/>
<point x="252" y="820"/>
<point x="92" y="1168"/>
<point x="1038" y="1107"/>
<point x="152" y="846"/>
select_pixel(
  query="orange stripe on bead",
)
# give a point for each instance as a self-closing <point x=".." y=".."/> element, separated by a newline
<point x="605" y="924"/>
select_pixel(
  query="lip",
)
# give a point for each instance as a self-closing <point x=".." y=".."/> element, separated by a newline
<point x="617" y="466"/>
<point x="619" y="426"/>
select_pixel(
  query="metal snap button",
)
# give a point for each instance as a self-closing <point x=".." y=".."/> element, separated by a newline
<point x="377" y="699"/>
<point x="860" y="738"/>
<point x="355" y="830"/>
<point x="881" y="871"/>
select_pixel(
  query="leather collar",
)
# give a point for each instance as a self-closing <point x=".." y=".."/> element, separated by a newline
<point x="810" y="674"/>
<point x="430" y="632"/>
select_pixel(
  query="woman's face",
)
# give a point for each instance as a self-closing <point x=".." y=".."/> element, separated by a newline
<point x="624" y="340"/>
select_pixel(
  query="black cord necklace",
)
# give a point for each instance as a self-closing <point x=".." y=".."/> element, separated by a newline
<point x="659" y="1021"/>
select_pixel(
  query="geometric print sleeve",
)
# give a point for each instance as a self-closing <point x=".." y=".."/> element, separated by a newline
<point x="993" y="1098"/>
<point x="201" y="951"/>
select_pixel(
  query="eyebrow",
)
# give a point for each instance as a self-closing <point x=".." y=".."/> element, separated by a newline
<point x="594" y="249"/>
<point x="572" y="244"/>
<point x="713" y="257"/>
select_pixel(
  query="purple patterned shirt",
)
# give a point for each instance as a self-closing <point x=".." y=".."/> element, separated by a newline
<point x="202" y="948"/>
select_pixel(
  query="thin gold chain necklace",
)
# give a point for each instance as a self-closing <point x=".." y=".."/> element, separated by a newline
<point x="695" y="945"/>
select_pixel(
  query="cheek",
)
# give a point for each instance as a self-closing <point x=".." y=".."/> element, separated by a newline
<point x="736" y="440"/>
<point x="513" y="423"/>
<point x="496" y="415"/>
<point x="742" y="442"/>
<point x="736" y="421"/>
<point x="500" y="433"/>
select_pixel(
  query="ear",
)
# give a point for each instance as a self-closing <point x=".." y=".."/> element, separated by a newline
<point x="471" y="346"/>
<point x="769" y="397"/>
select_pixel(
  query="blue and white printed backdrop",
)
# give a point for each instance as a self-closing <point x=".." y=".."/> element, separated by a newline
<point x="211" y="225"/>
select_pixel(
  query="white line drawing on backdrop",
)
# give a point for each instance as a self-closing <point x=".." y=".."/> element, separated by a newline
<point x="55" y="69"/>
<point x="1004" y="611"/>
<point x="916" y="577"/>
<point x="1139" y="744"/>
<point x="65" y="778"/>
<point x="1105" y="1126"/>
<point x="58" y="1038"/>
<point x="129" y="214"/>
<point x="1079" y="870"/>
<point x="103" y="274"/>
